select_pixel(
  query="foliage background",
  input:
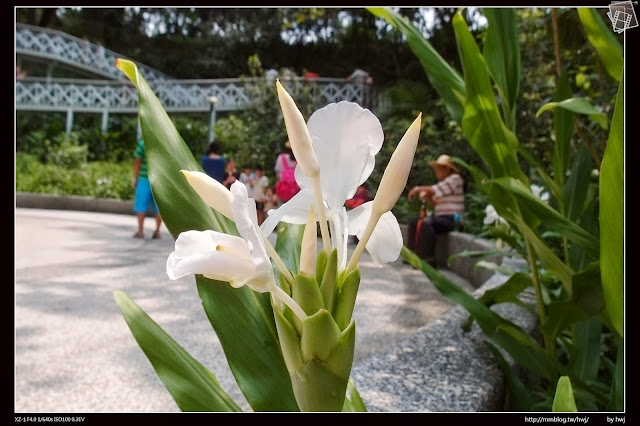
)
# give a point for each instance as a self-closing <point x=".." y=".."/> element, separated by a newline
<point x="217" y="43"/>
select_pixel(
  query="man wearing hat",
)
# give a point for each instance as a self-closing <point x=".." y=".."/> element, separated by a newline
<point x="447" y="199"/>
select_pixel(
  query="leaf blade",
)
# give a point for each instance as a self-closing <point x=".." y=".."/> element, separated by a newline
<point x="192" y="386"/>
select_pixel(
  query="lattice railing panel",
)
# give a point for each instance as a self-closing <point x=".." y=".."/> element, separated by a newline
<point x="175" y="95"/>
<point x="80" y="53"/>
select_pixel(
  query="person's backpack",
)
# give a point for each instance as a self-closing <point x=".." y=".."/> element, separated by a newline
<point x="287" y="186"/>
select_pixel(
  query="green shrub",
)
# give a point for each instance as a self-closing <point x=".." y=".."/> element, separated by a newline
<point x="68" y="153"/>
<point x="95" y="179"/>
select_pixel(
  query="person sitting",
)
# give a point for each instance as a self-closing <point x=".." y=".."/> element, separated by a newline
<point x="213" y="163"/>
<point x="447" y="199"/>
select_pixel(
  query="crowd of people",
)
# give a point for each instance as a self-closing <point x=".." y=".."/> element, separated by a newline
<point x="445" y="197"/>
<point x="225" y="171"/>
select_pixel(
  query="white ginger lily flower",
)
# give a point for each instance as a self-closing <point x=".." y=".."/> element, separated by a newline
<point x="491" y="216"/>
<point x="238" y="260"/>
<point x="345" y="139"/>
<point x="539" y="192"/>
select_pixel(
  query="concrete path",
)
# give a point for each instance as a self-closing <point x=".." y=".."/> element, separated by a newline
<point x="73" y="350"/>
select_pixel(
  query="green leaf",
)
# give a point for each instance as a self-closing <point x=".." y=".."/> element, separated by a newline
<point x="617" y="387"/>
<point x="288" y="244"/>
<point x="353" y="399"/>
<point x="481" y="121"/>
<point x="443" y="78"/>
<point x="502" y="55"/>
<point x="519" y="398"/>
<point x="167" y="154"/>
<point x="602" y="39"/>
<point x="585" y="302"/>
<point x="242" y="319"/>
<point x="345" y="301"/>
<point x="306" y="293"/>
<point x="250" y="342"/>
<point x="550" y="217"/>
<point x="563" y="400"/>
<point x="547" y="181"/>
<point x="588" y="334"/>
<point x="562" y="271"/>
<point x="522" y="347"/>
<point x="563" y="125"/>
<point x="192" y="386"/>
<point x="505" y="293"/>
<point x="612" y="217"/>
<point x="578" y="106"/>
<point x="575" y="190"/>
<point x="329" y="278"/>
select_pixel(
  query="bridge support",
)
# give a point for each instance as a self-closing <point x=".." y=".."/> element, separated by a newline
<point x="212" y="100"/>
<point x="69" y="121"/>
<point x="105" y="121"/>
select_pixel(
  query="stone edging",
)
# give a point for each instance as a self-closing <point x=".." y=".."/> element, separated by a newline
<point x="440" y="368"/>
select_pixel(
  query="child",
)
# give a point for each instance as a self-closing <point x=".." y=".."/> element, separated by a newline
<point x="246" y="177"/>
<point x="270" y="200"/>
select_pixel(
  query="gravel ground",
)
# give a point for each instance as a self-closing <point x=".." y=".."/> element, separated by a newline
<point x="73" y="350"/>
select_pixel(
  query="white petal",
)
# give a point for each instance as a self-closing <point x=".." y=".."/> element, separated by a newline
<point x="296" y="210"/>
<point x="214" y="254"/>
<point x="338" y="222"/>
<point x="346" y="138"/>
<point x="386" y="241"/>
<point x="244" y="214"/>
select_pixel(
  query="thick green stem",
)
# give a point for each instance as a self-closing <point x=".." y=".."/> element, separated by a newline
<point x="536" y="281"/>
<point x="548" y="345"/>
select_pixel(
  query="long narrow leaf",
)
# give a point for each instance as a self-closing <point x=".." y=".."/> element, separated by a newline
<point x="578" y="106"/>
<point x="612" y="217"/>
<point x="563" y="126"/>
<point x="502" y="54"/>
<point x="551" y="218"/>
<point x="519" y="398"/>
<point x="575" y="191"/>
<point x="562" y="271"/>
<point x="588" y="334"/>
<point x="250" y="339"/>
<point x="602" y="39"/>
<point x="444" y="79"/>
<point x="192" y="386"/>
<point x="522" y="347"/>
<point x="548" y="182"/>
<point x="617" y="387"/>
<point x="481" y="121"/>
<point x="288" y="244"/>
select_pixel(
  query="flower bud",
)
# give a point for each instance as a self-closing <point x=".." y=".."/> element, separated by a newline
<point x="212" y="192"/>
<point x="298" y="133"/>
<point x="396" y="174"/>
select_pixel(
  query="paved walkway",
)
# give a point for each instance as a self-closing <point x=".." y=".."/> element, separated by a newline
<point x="73" y="350"/>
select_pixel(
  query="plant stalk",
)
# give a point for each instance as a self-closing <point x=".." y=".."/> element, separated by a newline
<point x="548" y="345"/>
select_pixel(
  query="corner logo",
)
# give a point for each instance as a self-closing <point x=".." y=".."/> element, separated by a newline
<point x="622" y="15"/>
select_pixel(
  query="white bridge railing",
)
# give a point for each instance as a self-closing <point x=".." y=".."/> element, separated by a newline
<point x="42" y="94"/>
<point x="59" y="47"/>
<point x="115" y="94"/>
